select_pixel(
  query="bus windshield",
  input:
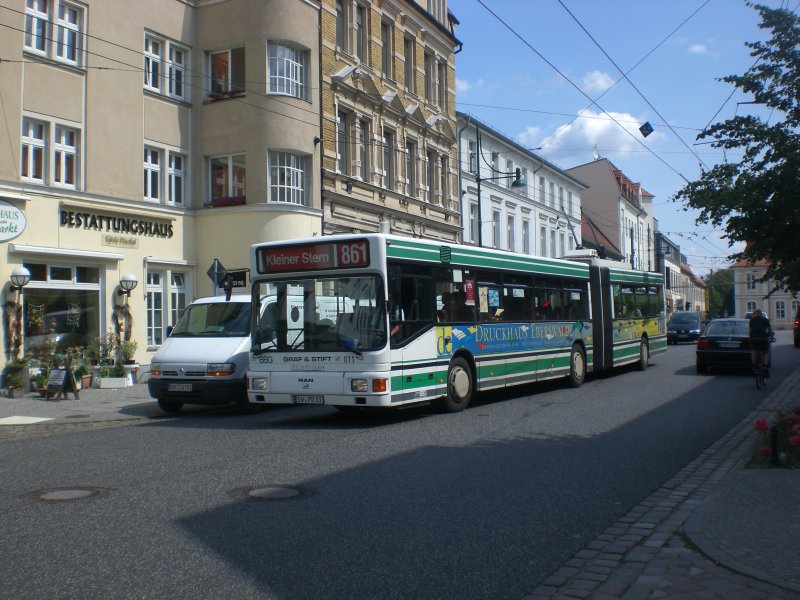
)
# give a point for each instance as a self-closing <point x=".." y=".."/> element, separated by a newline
<point x="344" y="314"/>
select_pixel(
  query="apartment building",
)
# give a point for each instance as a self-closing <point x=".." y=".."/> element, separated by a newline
<point x="621" y="209"/>
<point x="751" y="291"/>
<point x="388" y="118"/>
<point x="142" y="141"/>
<point x="535" y="211"/>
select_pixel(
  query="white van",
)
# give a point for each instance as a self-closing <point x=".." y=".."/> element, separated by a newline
<point x="204" y="358"/>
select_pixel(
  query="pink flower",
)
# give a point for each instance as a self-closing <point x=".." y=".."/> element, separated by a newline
<point x="796" y="428"/>
<point x="794" y="440"/>
<point x="761" y="425"/>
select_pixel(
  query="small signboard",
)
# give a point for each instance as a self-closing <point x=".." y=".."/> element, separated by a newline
<point x="237" y="278"/>
<point x="62" y="382"/>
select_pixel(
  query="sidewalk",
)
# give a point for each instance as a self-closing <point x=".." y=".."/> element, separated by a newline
<point x="716" y="530"/>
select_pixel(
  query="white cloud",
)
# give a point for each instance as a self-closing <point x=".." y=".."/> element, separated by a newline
<point x="462" y="85"/>
<point x="698" y="49"/>
<point x="530" y="138"/>
<point x="597" y="82"/>
<point x="575" y="141"/>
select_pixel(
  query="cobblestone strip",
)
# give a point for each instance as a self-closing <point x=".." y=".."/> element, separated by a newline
<point x="646" y="554"/>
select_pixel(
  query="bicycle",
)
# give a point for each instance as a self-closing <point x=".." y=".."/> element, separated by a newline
<point x="759" y="370"/>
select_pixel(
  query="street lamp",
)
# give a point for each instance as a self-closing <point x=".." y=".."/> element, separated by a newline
<point x="518" y="182"/>
<point x="126" y="284"/>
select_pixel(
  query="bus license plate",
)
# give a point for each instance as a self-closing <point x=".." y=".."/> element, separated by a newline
<point x="179" y="387"/>
<point x="308" y="399"/>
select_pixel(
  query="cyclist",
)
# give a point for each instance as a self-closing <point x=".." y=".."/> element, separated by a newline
<point x="761" y="335"/>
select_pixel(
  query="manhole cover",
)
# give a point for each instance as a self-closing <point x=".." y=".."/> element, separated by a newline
<point x="271" y="492"/>
<point x="66" y="494"/>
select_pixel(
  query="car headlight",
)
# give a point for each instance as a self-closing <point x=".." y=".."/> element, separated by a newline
<point x="259" y="384"/>
<point x="155" y="370"/>
<point x="220" y="369"/>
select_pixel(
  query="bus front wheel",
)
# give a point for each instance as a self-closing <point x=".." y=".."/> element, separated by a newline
<point x="577" y="366"/>
<point x="460" y="385"/>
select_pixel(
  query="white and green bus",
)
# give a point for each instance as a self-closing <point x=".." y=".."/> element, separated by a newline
<point x="386" y="321"/>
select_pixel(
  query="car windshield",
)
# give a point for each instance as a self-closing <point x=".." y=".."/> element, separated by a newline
<point x="684" y="318"/>
<point x="727" y="328"/>
<point x="214" y="319"/>
<point x="345" y="314"/>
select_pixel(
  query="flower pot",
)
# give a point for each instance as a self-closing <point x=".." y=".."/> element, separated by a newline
<point x="86" y="382"/>
<point x="114" y="382"/>
<point x="43" y="392"/>
<point x="15" y="393"/>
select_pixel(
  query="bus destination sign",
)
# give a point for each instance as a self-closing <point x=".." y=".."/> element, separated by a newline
<point x="325" y="255"/>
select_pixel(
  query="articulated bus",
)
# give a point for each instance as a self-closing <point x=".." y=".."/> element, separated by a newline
<point x="386" y="321"/>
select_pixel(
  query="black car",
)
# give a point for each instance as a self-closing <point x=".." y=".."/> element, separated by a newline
<point x="725" y="343"/>
<point x="684" y="326"/>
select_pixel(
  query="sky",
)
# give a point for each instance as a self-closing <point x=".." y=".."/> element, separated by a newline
<point x="531" y="68"/>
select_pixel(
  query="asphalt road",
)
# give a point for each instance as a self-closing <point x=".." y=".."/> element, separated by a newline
<point x="481" y="504"/>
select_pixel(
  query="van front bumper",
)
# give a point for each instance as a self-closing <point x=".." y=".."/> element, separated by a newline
<point x="198" y="391"/>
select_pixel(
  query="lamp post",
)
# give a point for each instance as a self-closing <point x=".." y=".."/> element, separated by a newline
<point x="518" y="182"/>
<point x="20" y="277"/>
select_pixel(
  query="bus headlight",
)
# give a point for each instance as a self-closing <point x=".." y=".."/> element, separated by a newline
<point x="220" y="369"/>
<point x="359" y="385"/>
<point x="259" y="384"/>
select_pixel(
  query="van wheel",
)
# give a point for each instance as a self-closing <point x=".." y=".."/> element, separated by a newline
<point x="577" y="366"/>
<point x="460" y="385"/>
<point x="170" y="406"/>
<point x="644" y="355"/>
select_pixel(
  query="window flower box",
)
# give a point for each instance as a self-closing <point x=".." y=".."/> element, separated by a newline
<point x="228" y="201"/>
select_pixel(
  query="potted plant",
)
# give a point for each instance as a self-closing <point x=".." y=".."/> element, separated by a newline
<point x="113" y="376"/>
<point x="14" y="387"/>
<point x="126" y="351"/>
<point x="16" y="373"/>
<point x="40" y="381"/>
<point x="83" y="375"/>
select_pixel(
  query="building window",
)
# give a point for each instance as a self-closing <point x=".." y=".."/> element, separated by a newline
<point x="227" y="70"/>
<point x="441" y="74"/>
<point x="65" y="43"/>
<point x="360" y="30"/>
<point x="152" y="64"/>
<point x="65" y="147"/>
<point x="474" y="221"/>
<point x="176" y="72"/>
<point x="496" y="229"/>
<point x="228" y="178"/>
<point x="780" y="310"/>
<point x="155" y="308"/>
<point x="163" y="59"/>
<point x="509" y="169"/>
<point x="473" y="156"/>
<point x="562" y="244"/>
<point x="288" y="67"/>
<point x="526" y="236"/>
<point x="510" y="226"/>
<point x="409" y="52"/>
<point x="34" y="142"/>
<point x="287" y="177"/>
<point x="751" y="281"/>
<point x="552" y="243"/>
<point x="430" y="175"/>
<point x="444" y="174"/>
<point x="561" y="199"/>
<point x="388" y="158"/>
<point x="430" y="77"/>
<point x="343" y="142"/>
<point x="176" y="178"/>
<point x="552" y="195"/>
<point x="341" y="26"/>
<point x="177" y="296"/>
<point x="751" y="306"/>
<point x="387" y="48"/>
<point x="543" y="241"/>
<point x="542" y="195"/>
<point x="411" y="168"/>
<point x="363" y="150"/>
<point x="152" y="174"/>
<point x="569" y="203"/>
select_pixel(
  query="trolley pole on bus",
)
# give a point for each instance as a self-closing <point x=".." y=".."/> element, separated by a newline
<point x="518" y="182"/>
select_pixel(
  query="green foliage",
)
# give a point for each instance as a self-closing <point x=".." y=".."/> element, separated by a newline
<point x="720" y="293"/>
<point x="112" y="371"/>
<point x="754" y="199"/>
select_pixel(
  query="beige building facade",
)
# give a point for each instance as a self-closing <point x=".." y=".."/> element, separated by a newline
<point x="148" y="138"/>
<point x="750" y="293"/>
<point x="389" y="160"/>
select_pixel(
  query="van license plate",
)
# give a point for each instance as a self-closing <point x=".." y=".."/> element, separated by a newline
<point x="308" y="399"/>
<point x="179" y="387"/>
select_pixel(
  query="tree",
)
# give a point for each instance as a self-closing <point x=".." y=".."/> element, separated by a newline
<point x="720" y="292"/>
<point x="756" y="199"/>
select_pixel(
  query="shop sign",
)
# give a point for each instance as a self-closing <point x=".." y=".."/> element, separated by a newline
<point x="109" y="223"/>
<point x="119" y="241"/>
<point x="12" y="221"/>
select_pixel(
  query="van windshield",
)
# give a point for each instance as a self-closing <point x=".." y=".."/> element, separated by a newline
<point x="214" y="319"/>
<point x="345" y="314"/>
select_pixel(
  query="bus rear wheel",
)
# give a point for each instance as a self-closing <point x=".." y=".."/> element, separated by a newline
<point x="460" y="385"/>
<point x="577" y="366"/>
<point x="644" y="355"/>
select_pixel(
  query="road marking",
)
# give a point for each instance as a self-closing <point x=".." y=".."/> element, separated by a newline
<point x="23" y="420"/>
